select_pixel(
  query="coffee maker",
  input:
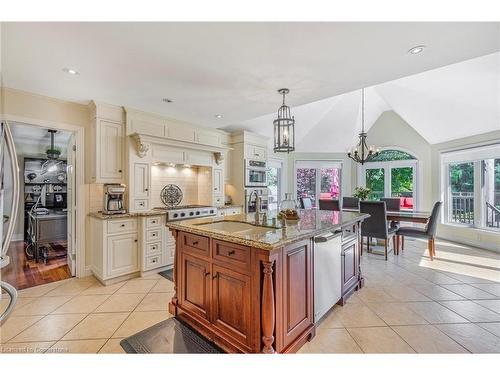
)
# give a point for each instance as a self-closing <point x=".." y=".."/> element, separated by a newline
<point x="113" y="199"/>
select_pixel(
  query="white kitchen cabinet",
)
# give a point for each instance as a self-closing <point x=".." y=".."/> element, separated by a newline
<point x="227" y="211"/>
<point x="254" y="152"/>
<point x="218" y="181"/>
<point x="105" y="145"/>
<point x="122" y="255"/>
<point x="141" y="180"/>
<point x="114" y="248"/>
<point x="157" y="244"/>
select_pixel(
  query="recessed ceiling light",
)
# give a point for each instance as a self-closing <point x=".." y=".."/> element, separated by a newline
<point x="71" y="71"/>
<point x="167" y="100"/>
<point x="219" y="116"/>
<point x="416" y="50"/>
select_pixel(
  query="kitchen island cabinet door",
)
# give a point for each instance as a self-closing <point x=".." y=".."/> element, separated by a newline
<point x="194" y="294"/>
<point x="349" y="266"/>
<point x="231" y="304"/>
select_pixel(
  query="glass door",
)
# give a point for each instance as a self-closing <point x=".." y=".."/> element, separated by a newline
<point x="402" y="186"/>
<point x="375" y="181"/>
<point x="317" y="180"/>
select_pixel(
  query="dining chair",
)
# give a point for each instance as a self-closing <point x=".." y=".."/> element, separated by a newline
<point x="376" y="225"/>
<point x="305" y="202"/>
<point x="394" y="204"/>
<point x="429" y="232"/>
<point x="350" y="202"/>
<point x="329" y="204"/>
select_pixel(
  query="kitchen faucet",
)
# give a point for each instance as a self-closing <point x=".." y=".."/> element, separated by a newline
<point x="257" y="204"/>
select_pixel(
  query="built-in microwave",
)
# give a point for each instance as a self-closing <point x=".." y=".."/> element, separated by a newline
<point x="255" y="173"/>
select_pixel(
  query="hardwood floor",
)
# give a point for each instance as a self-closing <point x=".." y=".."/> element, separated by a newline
<point x="22" y="273"/>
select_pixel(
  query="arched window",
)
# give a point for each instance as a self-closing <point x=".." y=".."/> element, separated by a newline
<point x="392" y="174"/>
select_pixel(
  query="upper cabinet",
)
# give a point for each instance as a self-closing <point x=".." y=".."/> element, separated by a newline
<point x="254" y="152"/>
<point x="172" y="131"/>
<point x="106" y="143"/>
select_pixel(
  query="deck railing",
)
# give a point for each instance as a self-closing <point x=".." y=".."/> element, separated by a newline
<point x="492" y="216"/>
<point x="462" y="208"/>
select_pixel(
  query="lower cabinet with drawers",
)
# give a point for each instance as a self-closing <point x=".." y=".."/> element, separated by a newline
<point x="127" y="247"/>
<point x="244" y="299"/>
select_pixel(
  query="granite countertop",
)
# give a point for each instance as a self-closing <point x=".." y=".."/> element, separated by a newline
<point x="102" y="216"/>
<point x="312" y="222"/>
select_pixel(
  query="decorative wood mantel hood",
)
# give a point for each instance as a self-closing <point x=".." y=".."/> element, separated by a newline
<point x="148" y="129"/>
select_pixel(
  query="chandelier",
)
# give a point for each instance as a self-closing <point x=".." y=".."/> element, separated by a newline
<point x="284" y="127"/>
<point x="362" y="153"/>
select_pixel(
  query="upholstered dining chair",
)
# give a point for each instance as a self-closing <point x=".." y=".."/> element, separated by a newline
<point x="350" y="202"/>
<point x="429" y="232"/>
<point x="329" y="204"/>
<point x="305" y="202"/>
<point x="394" y="204"/>
<point x="376" y="225"/>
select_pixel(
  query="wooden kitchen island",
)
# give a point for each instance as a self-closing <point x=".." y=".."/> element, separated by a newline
<point x="249" y="288"/>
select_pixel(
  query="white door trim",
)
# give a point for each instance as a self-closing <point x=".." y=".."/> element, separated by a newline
<point x="81" y="203"/>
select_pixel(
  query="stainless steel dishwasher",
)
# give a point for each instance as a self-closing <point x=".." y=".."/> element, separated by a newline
<point x="327" y="272"/>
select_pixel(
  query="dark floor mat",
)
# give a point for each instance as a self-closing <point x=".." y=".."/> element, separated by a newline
<point x="169" y="336"/>
<point x="168" y="274"/>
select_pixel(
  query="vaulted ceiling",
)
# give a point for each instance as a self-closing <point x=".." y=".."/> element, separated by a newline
<point x="447" y="103"/>
<point x="234" y="69"/>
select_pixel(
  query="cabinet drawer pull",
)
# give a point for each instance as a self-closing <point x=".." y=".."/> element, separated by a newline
<point x="207" y="273"/>
<point x="231" y="252"/>
<point x="119" y="171"/>
<point x="122" y="225"/>
<point x="195" y="243"/>
<point x="146" y="189"/>
<point x="135" y="240"/>
<point x="215" y="276"/>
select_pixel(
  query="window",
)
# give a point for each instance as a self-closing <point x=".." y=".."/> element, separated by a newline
<point x="317" y="180"/>
<point x="392" y="174"/>
<point x="274" y="186"/>
<point x="471" y="187"/>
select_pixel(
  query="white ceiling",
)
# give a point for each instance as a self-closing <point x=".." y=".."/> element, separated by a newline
<point x="447" y="103"/>
<point x="33" y="140"/>
<point x="232" y="69"/>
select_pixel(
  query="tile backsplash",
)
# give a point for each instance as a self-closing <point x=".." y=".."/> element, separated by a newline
<point x="195" y="183"/>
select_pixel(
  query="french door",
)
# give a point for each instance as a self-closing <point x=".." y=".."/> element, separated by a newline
<point x="391" y="179"/>
<point x="317" y="180"/>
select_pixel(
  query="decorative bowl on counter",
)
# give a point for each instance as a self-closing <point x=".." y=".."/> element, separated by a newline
<point x="288" y="214"/>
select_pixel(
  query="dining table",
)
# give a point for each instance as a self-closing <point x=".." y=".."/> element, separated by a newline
<point x="421" y="217"/>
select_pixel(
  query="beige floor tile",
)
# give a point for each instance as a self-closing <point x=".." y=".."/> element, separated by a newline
<point x="434" y="313"/>
<point x="25" y="347"/>
<point x="331" y="341"/>
<point x="353" y="298"/>
<point x="491" y="327"/>
<point x="140" y="320"/>
<point x="428" y="339"/>
<point x="438" y="293"/>
<point x="112" y="346"/>
<point x="370" y="294"/>
<point x="163" y="286"/>
<point x="331" y="319"/>
<point x="492" y="304"/>
<point x="468" y="291"/>
<point x="39" y="291"/>
<point x="441" y="279"/>
<point x="137" y="286"/>
<point x="472" y="337"/>
<point x="76" y="347"/>
<point x="153" y="276"/>
<point x="396" y="313"/>
<point x="379" y="340"/>
<point x="49" y="328"/>
<point x="490" y="288"/>
<point x="472" y="311"/>
<point x="155" y="302"/>
<point x="81" y="304"/>
<point x="72" y="288"/>
<point x="101" y="289"/>
<point x="96" y="326"/>
<point x="405" y="294"/>
<point x="42" y="306"/>
<point x="14" y="325"/>
<point x="21" y="301"/>
<point x="121" y="302"/>
<point x="358" y="316"/>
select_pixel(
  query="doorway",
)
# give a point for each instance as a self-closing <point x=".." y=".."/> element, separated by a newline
<point x="318" y="179"/>
<point x="42" y="246"/>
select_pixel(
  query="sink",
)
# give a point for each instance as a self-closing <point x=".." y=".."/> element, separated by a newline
<point x="236" y="227"/>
